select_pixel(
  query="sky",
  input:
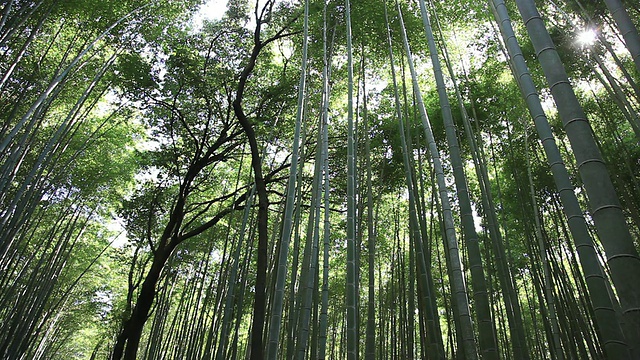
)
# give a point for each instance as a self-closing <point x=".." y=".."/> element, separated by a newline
<point x="211" y="10"/>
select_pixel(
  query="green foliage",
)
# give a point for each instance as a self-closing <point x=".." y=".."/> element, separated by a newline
<point x="136" y="150"/>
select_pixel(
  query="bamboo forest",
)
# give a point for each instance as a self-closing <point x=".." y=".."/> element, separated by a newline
<point x="320" y="179"/>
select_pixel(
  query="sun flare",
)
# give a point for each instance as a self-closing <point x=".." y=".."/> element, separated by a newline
<point x="587" y="37"/>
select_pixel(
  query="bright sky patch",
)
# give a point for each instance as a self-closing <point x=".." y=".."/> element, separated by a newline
<point x="210" y="10"/>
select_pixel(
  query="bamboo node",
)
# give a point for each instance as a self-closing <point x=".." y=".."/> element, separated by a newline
<point x="593" y="160"/>
<point x="614" y="257"/>
<point x="604" y="207"/>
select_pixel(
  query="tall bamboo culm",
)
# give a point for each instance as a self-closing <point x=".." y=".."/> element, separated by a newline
<point x="627" y="29"/>
<point x="622" y="256"/>
<point x="613" y="339"/>
<point x="433" y="344"/>
<point x="351" y="289"/>
<point x="487" y="337"/>
<point x="462" y="313"/>
<point x="281" y="273"/>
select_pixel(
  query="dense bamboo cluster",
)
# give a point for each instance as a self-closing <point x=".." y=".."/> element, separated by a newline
<point x="315" y="179"/>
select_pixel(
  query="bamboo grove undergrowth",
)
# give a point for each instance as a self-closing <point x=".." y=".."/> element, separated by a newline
<point x="306" y="179"/>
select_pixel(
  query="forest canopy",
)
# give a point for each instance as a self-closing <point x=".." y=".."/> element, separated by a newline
<point x="337" y="179"/>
